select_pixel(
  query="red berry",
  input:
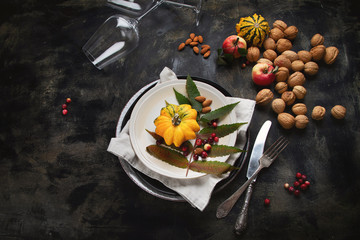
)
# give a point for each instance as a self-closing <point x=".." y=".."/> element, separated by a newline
<point x="213" y="135"/>
<point x="243" y="65"/>
<point x="214" y="124"/>
<point x="64" y="106"/>
<point x="291" y="189"/>
<point x="296" y="192"/>
<point x="216" y="139"/>
<point x="303" y="186"/>
<point x="296" y="184"/>
<point x="198" y="142"/>
<point x="184" y="148"/>
<point x="204" y="154"/>
<point x="286" y="185"/>
<point x="300" y="180"/>
<point x="267" y="201"/>
<point x="247" y="62"/>
<point x="207" y="147"/>
<point x="210" y="140"/>
<point x="303" y="177"/>
<point x="64" y="111"/>
<point x="307" y="183"/>
<point x="68" y="100"/>
<point x="196" y="157"/>
<point x="298" y="175"/>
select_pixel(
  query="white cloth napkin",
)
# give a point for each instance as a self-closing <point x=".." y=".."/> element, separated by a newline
<point x="196" y="191"/>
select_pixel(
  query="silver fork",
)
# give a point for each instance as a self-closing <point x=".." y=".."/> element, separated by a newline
<point x="265" y="161"/>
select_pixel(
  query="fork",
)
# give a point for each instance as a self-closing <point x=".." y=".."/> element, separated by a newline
<point x="265" y="161"/>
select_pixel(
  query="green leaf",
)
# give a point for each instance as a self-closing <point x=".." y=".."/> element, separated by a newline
<point x="218" y="113"/>
<point x="224" y="58"/>
<point x="193" y="92"/>
<point x="220" y="131"/>
<point x="242" y="51"/>
<point x="168" y="155"/>
<point x="223" y="150"/>
<point x="211" y="167"/>
<point x="157" y="137"/>
<point x="181" y="98"/>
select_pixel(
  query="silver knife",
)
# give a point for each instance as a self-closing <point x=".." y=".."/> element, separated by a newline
<point x="257" y="151"/>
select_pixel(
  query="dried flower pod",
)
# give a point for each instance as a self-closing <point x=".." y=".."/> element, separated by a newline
<point x="282" y="74"/>
<point x="297" y="78"/>
<point x="317" y="39"/>
<point x="265" y="60"/>
<point x="283" y="44"/>
<point x="278" y="105"/>
<point x="264" y="97"/>
<point x="281" y="87"/>
<point x="301" y="121"/>
<point x="291" y="32"/>
<point x="282" y="61"/>
<point x="280" y="24"/>
<point x="299" y="109"/>
<point x="299" y="91"/>
<point x="269" y="43"/>
<point x="253" y="54"/>
<point x="276" y="34"/>
<point x="288" y="97"/>
<point x="270" y="54"/>
<point x="291" y="55"/>
<point x="311" y="68"/>
<point x="286" y="120"/>
<point x="331" y="54"/>
<point x="318" y="113"/>
<point x="318" y="52"/>
<point x="297" y="65"/>
<point x="304" y="56"/>
<point x="338" y="112"/>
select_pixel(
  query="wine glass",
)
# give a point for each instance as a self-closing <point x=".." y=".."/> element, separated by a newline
<point x="115" y="38"/>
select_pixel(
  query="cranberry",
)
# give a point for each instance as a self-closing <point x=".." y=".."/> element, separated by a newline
<point x="296" y="192"/>
<point x="68" y="100"/>
<point x="216" y="139"/>
<point x="210" y="140"/>
<point x="64" y="111"/>
<point x="291" y="189"/>
<point x="214" y="124"/>
<point x="213" y="135"/>
<point x="184" y="148"/>
<point x="307" y="183"/>
<point x="204" y="154"/>
<point x="243" y="65"/>
<point x="300" y="181"/>
<point x="64" y="106"/>
<point x="303" y="177"/>
<point x="298" y="175"/>
<point x="296" y="184"/>
<point x="196" y="157"/>
<point x="198" y="142"/>
<point x="303" y="186"/>
<point x="267" y="201"/>
<point x="286" y="185"/>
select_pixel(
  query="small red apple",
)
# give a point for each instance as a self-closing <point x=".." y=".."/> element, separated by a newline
<point x="234" y="45"/>
<point x="263" y="74"/>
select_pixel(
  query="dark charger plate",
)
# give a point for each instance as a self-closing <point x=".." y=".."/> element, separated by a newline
<point x="153" y="186"/>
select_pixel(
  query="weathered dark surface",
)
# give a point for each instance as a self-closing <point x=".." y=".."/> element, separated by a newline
<point x="58" y="182"/>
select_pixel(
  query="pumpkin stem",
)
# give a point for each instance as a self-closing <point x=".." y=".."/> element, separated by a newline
<point x="176" y="119"/>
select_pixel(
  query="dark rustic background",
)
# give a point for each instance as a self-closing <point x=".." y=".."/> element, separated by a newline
<point x="57" y="181"/>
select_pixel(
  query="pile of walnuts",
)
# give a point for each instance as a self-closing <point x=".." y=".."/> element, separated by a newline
<point x="293" y="68"/>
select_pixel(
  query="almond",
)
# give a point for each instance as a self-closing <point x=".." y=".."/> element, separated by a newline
<point x="204" y="49"/>
<point x="192" y="35"/>
<point x="188" y="41"/>
<point x="201" y="39"/>
<point x="207" y="103"/>
<point x="200" y="99"/>
<point x="206" y="109"/>
<point x="181" y="46"/>
<point x="196" y="50"/>
<point x="205" y="45"/>
<point x="194" y="44"/>
<point x="196" y="39"/>
<point x="207" y="54"/>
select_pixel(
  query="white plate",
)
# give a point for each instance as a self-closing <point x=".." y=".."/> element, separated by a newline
<point x="148" y="108"/>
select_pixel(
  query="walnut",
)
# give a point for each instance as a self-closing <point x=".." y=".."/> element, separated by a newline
<point x="301" y="121"/>
<point x="264" y="97"/>
<point x="331" y="54"/>
<point x="297" y="65"/>
<point x="311" y="68"/>
<point x="286" y="120"/>
<point x="299" y="92"/>
<point x="338" y="112"/>
<point x="253" y="54"/>
<point x="281" y="87"/>
<point x="270" y="54"/>
<point x="318" y="113"/>
<point x="282" y="74"/>
<point x="317" y="39"/>
<point x="283" y="44"/>
<point x="318" y="52"/>
<point x="297" y="78"/>
<point x="304" y="56"/>
<point x="299" y="109"/>
<point x="276" y="34"/>
<point x="278" y="105"/>
<point x="280" y="24"/>
<point x="291" y="32"/>
<point x="264" y="60"/>
<point x="288" y="97"/>
<point x="269" y="43"/>
<point x="282" y="61"/>
<point x="291" y="55"/>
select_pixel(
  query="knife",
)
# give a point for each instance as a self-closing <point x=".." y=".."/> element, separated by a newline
<point x="258" y="149"/>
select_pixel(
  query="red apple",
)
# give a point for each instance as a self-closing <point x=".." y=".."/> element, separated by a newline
<point x="263" y="74"/>
<point x="234" y="45"/>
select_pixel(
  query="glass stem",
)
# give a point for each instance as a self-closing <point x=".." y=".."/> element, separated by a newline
<point x="158" y="3"/>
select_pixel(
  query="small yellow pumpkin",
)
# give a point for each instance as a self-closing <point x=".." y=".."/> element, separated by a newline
<point x="253" y="29"/>
<point x="176" y="124"/>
